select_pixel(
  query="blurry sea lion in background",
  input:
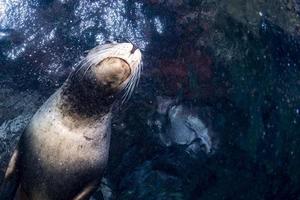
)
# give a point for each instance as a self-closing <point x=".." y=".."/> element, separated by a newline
<point x="64" y="150"/>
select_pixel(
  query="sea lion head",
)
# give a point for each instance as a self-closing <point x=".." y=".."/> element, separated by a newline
<point x="113" y="66"/>
<point x="107" y="71"/>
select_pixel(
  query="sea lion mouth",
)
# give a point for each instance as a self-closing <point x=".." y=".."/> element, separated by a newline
<point x="112" y="72"/>
<point x="128" y="65"/>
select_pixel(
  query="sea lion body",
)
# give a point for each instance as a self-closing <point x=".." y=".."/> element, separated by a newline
<point x="65" y="152"/>
<point x="64" y="149"/>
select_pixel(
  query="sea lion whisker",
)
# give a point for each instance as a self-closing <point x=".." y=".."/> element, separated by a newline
<point x="137" y="76"/>
<point x="129" y="88"/>
<point x="89" y="62"/>
<point x="127" y="91"/>
<point x="82" y="64"/>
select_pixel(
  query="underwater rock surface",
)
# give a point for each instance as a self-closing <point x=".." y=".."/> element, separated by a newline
<point x="178" y="124"/>
<point x="236" y="61"/>
<point x="17" y="107"/>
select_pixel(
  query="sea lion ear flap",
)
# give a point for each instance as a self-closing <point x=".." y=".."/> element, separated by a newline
<point x="11" y="180"/>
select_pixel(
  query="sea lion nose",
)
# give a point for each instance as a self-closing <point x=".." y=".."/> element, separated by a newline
<point x="110" y="42"/>
<point x="134" y="48"/>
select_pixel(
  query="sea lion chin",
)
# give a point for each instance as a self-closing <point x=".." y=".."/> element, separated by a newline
<point x="64" y="150"/>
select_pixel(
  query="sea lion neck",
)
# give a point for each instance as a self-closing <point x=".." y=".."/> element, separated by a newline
<point x="81" y="96"/>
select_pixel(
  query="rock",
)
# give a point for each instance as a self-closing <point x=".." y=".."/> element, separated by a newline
<point x="150" y="184"/>
<point x="183" y="126"/>
<point x="14" y="126"/>
<point x="16" y="109"/>
<point x="104" y="192"/>
<point x="174" y="3"/>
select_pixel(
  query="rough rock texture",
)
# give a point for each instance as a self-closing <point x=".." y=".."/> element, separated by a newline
<point x="17" y="107"/>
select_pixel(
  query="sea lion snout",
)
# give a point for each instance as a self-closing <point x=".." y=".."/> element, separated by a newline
<point x="116" y="66"/>
<point x="112" y="66"/>
<point x="134" y="48"/>
<point x="112" y="72"/>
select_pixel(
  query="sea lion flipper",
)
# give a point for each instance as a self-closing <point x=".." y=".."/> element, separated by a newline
<point x="11" y="180"/>
<point x="86" y="193"/>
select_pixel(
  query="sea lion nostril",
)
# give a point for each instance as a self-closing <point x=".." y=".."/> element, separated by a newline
<point x="134" y="48"/>
<point x="110" y="42"/>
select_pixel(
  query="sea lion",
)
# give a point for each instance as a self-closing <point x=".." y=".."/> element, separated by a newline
<point x="64" y="150"/>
